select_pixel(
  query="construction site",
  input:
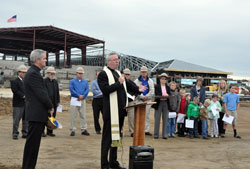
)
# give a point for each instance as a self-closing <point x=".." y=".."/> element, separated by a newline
<point x="66" y="51"/>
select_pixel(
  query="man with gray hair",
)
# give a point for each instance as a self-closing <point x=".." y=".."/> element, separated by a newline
<point x="37" y="107"/>
<point x="114" y="88"/>
<point x="18" y="103"/>
<point x="52" y="87"/>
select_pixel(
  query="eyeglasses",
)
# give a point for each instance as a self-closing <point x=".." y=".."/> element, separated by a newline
<point x="127" y="74"/>
<point x="115" y="59"/>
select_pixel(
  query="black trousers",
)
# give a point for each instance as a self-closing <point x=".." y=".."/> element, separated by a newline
<point x="32" y="145"/>
<point x="97" y="106"/>
<point x="106" y="145"/>
<point x="54" y="115"/>
<point x="199" y="127"/>
<point x="221" y="124"/>
<point x="181" y="128"/>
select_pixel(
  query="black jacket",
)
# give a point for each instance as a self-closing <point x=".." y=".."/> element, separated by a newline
<point x="17" y="88"/>
<point x="158" y="92"/>
<point x="121" y="94"/>
<point x="37" y="100"/>
<point x="53" y="90"/>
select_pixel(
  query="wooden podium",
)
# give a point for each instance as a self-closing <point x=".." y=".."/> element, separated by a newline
<point x="139" y="122"/>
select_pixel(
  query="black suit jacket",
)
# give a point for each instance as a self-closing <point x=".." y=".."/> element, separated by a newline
<point x="107" y="89"/>
<point x="37" y="100"/>
<point x="158" y="92"/>
<point x="53" y="90"/>
<point x="17" y="88"/>
<point x="121" y="93"/>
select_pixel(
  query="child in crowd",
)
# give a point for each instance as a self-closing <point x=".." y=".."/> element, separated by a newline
<point x="183" y="110"/>
<point x="214" y="115"/>
<point x="193" y="113"/>
<point x="204" y="118"/>
<point x="231" y="103"/>
<point x="174" y="106"/>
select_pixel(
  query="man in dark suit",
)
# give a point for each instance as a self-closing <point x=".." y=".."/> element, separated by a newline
<point x="53" y="91"/>
<point x="18" y="103"/>
<point x="107" y="89"/>
<point x="37" y="107"/>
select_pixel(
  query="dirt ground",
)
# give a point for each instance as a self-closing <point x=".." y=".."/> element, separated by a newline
<point x="83" y="152"/>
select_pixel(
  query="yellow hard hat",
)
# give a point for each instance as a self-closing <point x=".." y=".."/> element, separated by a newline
<point x="51" y="125"/>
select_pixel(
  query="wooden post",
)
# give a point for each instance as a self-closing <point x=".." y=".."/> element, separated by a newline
<point x="65" y="47"/>
<point x="139" y="125"/>
<point x="34" y="39"/>
<point x="57" y="58"/>
<point x="84" y="54"/>
<point x="139" y="122"/>
<point x="68" y="57"/>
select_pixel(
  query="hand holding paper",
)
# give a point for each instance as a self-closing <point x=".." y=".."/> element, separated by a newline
<point x="189" y="123"/>
<point x="180" y="118"/>
<point x="215" y="110"/>
<point x="75" y="102"/>
<point x="59" y="108"/>
<point x="228" y="119"/>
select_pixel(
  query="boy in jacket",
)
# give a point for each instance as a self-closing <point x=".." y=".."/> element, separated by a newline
<point x="193" y="113"/>
<point x="204" y="118"/>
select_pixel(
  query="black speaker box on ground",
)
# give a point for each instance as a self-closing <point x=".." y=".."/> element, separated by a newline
<point x="141" y="157"/>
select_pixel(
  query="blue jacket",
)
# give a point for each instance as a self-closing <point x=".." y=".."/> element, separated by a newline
<point x="78" y="88"/>
<point x="95" y="89"/>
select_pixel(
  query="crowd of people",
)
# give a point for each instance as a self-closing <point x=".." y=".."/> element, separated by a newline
<point x="35" y="99"/>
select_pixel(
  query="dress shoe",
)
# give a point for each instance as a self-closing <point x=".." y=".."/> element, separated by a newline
<point x="98" y="132"/>
<point x="85" y="132"/>
<point x="118" y="167"/>
<point x="15" y="137"/>
<point x="148" y="134"/>
<point x="165" y="138"/>
<point x="24" y="136"/>
<point x="51" y="134"/>
<point x="72" y="133"/>
<point x="132" y="135"/>
<point x="206" y="138"/>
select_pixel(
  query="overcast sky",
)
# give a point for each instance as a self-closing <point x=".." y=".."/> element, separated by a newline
<point x="212" y="33"/>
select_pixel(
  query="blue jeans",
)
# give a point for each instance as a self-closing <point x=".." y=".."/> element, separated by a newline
<point x="204" y="128"/>
<point x="194" y="131"/>
<point x="171" y="126"/>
